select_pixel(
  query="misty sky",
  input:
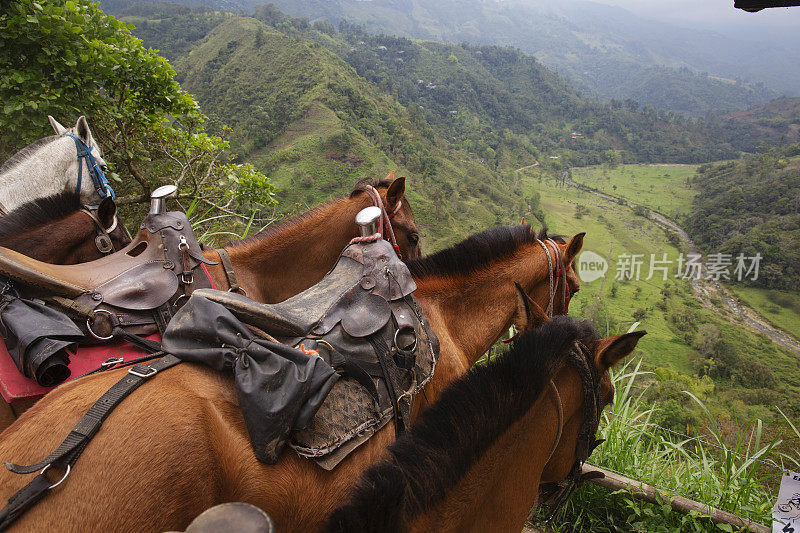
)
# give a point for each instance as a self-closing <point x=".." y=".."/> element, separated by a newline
<point x="716" y="14"/>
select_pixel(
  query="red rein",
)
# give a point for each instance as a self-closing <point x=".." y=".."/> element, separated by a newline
<point x="386" y="218"/>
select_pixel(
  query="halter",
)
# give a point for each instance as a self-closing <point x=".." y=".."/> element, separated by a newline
<point x="103" y="240"/>
<point x="581" y="358"/>
<point x="99" y="179"/>
<point x="385" y="226"/>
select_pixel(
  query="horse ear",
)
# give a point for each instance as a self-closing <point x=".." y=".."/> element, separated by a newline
<point x="83" y="131"/>
<point x="611" y="350"/>
<point x="573" y="248"/>
<point x="106" y="212"/>
<point x="528" y="315"/>
<point x="523" y="221"/>
<point x="395" y="192"/>
<point x="59" y="129"/>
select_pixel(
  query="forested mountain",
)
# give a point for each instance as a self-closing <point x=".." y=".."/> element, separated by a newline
<point x="494" y="102"/>
<point x="753" y="206"/>
<point x="606" y="51"/>
<point x="776" y="122"/>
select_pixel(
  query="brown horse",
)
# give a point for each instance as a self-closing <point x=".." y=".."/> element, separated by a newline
<point x="475" y="459"/>
<point x="284" y="260"/>
<point x="178" y="445"/>
<point x="59" y="229"/>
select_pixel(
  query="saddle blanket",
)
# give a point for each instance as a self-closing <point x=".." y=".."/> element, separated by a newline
<point x="15" y="387"/>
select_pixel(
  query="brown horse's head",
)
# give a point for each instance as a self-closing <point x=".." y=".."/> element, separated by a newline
<point x="605" y="353"/>
<point x="57" y="229"/>
<point x="406" y="231"/>
<point x="565" y="280"/>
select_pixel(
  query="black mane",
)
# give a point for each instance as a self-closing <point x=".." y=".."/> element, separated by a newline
<point x="40" y="211"/>
<point x="474" y="252"/>
<point x="25" y="152"/>
<point x="455" y="432"/>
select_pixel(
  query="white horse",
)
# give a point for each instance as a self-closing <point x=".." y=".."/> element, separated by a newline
<point x="55" y="164"/>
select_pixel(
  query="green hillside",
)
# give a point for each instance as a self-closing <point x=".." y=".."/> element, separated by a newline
<point x="605" y="50"/>
<point x="721" y="371"/>
<point x="751" y="206"/>
<point x="304" y="117"/>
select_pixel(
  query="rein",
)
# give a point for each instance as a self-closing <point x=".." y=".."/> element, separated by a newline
<point x="581" y="358"/>
<point x="385" y="226"/>
<point x="99" y="179"/>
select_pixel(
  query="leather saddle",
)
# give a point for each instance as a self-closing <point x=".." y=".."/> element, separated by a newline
<point x="363" y="320"/>
<point x="137" y="287"/>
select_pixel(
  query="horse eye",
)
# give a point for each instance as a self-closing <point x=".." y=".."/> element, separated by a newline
<point x="413" y="239"/>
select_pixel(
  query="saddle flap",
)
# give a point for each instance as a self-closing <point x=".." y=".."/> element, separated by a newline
<point x="361" y="313"/>
<point x="143" y="287"/>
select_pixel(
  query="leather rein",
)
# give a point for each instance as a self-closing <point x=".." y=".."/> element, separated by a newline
<point x="581" y="358"/>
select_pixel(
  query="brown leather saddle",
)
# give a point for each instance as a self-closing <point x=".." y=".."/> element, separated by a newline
<point x="137" y="288"/>
<point x="364" y="321"/>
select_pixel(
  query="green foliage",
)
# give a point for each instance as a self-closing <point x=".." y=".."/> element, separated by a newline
<point x="70" y="58"/>
<point x="724" y="474"/>
<point x="752" y="206"/>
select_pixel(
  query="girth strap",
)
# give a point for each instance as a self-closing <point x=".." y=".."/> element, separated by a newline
<point x="382" y="353"/>
<point x="227" y="266"/>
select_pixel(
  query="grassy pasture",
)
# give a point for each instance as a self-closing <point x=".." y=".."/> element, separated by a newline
<point x="662" y="188"/>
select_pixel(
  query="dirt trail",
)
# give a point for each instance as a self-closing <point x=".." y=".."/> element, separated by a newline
<point x="707" y="290"/>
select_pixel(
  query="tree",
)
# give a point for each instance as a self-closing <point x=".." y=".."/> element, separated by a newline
<point x="69" y="58"/>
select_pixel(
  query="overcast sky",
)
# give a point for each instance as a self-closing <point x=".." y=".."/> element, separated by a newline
<point x="713" y="13"/>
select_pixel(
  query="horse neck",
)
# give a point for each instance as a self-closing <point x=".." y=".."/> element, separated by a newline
<point x="500" y="489"/>
<point x="296" y="255"/>
<point x="42" y="173"/>
<point x="58" y="242"/>
<point x="471" y="312"/>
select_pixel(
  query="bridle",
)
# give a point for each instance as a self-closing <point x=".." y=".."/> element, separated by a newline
<point x="102" y="239"/>
<point x="557" y="273"/>
<point x="99" y="179"/>
<point x="385" y="226"/>
<point x="581" y="358"/>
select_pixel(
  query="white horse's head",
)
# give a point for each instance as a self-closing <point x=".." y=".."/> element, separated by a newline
<point x="82" y="131"/>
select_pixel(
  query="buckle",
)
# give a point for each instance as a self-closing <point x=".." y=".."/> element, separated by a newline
<point x="112" y="361"/>
<point x="142" y="371"/>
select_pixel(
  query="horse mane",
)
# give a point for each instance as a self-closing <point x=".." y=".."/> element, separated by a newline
<point x="25" y="152"/>
<point x="474" y="252"/>
<point x="40" y="211"/>
<point x="456" y="431"/>
<point x="362" y="184"/>
<point x="297" y="219"/>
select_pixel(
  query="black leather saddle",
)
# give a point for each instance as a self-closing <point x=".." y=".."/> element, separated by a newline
<point x="362" y="319"/>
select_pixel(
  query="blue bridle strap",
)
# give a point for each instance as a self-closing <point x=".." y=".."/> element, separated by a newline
<point x="99" y="179"/>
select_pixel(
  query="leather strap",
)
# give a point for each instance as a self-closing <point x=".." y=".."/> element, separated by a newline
<point x="227" y="266"/>
<point x="71" y="449"/>
<point x="23" y="500"/>
<point x="382" y="352"/>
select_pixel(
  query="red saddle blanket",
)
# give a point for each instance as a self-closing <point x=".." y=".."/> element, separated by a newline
<point x="15" y="387"/>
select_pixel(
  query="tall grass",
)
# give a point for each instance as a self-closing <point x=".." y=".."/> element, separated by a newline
<point x="721" y="470"/>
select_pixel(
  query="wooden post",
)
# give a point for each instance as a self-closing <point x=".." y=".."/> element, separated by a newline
<point x="642" y="491"/>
